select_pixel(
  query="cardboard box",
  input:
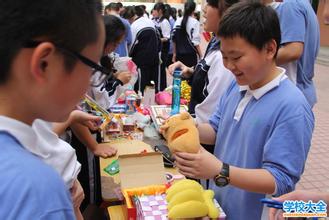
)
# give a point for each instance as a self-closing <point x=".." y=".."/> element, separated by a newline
<point x="141" y="174"/>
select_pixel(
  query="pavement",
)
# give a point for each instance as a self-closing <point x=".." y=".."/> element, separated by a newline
<point x="316" y="174"/>
<point x="323" y="56"/>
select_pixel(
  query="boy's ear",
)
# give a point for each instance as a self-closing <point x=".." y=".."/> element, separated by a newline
<point x="42" y="55"/>
<point x="271" y="49"/>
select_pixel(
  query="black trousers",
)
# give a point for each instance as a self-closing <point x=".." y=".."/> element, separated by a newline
<point x="161" y="81"/>
<point x="146" y="74"/>
<point x="89" y="187"/>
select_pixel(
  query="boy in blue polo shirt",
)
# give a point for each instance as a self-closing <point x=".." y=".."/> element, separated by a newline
<point x="47" y="58"/>
<point x="262" y="126"/>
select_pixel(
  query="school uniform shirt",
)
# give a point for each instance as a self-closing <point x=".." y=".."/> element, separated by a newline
<point x="57" y="153"/>
<point x="122" y="48"/>
<point x="164" y="26"/>
<point x="193" y="32"/>
<point x="267" y="128"/>
<point x="145" y="47"/>
<point x="299" y="23"/>
<point x="29" y="188"/>
<point x="209" y="81"/>
<point x="105" y="94"/>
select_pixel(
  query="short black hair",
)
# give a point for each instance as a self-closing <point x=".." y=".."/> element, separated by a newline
<point x="213" y="3"/>
<point x="114" y="28"/>
<point x="139" y="10"/>
<point x="256" y="23"/>
<point x="223" y="5"/>
<point x="120" y="4"/>
<point x="56" y="21"/>
<point x="129" y="12"/>
<point x="113" y="6"/>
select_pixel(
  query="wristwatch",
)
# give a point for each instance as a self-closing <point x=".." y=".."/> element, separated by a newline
<point x="223" y="178"/>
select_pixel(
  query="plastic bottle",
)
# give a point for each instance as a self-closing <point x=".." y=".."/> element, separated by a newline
<point x="176" y="92"/>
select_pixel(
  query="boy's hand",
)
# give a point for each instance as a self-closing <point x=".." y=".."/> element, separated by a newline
<point x="86" y="119"/>
<point x="77" y="194"/>
<point x="124" y="77"/>
<point x="186" y="71"/>
<point x="275" y="214"/>
<point x="104" y="151"/>
<point x="202" y="165"/>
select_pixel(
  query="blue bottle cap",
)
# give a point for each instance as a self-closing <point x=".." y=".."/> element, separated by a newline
<point x="177" y="72"/>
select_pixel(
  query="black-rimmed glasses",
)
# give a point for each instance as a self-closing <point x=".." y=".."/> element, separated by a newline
<point x="102" y="73"/>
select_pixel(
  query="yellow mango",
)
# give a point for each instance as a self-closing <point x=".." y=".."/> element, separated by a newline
<point x="182" y="185"/>
<point x="184" y="196"/>
<point x="208" y="196"/>
<point x="190" y="209"/>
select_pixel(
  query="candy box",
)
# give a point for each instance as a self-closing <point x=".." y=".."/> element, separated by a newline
<point x="151" y="207"/>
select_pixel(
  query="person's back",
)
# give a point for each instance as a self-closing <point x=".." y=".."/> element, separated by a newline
<point x="299" y="24"/>
<point x="145" y="51"/>
<point x="29" y="188"/>
<point x="145" y="42"/>
<point x="186" y="40"/>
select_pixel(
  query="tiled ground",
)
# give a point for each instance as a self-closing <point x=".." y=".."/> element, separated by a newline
<point x="316" y="175"/>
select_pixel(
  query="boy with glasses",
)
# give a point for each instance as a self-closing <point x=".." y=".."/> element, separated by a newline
<point x="44" y="72"/>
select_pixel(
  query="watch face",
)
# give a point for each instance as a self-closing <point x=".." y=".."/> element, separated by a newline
<point x="221" y="181"/>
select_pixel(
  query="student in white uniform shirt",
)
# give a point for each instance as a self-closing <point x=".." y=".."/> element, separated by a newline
<point x="186" y="37"/>
<point x="209" y="79"/>
<point x="146" y="44"/>
<point x="162" y="13"/>
<point x="105" y="93"/>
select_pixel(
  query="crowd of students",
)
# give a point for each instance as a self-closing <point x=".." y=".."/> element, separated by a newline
<point x="252" y="95"/>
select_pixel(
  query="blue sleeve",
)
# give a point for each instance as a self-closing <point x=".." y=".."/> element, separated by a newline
<point x="292" y="23"/>
<point x="286" y="151"/>
<point x="129" y="37"/>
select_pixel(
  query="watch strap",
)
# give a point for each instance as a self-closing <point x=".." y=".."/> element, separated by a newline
<point x="225" y="171"/>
